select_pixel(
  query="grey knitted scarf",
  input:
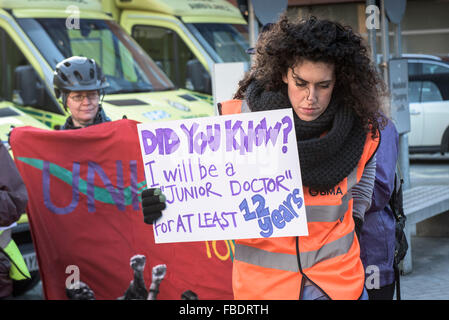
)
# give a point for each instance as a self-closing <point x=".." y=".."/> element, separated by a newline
<point x="325" y="160"/>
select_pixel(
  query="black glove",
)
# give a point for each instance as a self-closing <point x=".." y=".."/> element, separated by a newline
<point x="153" y="202"/>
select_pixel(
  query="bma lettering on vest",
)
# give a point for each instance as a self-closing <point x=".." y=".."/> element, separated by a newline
<point x="333" y="192"/>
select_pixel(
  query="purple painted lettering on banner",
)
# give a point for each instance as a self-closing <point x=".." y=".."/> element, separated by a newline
<point x="180" y="224"/>
<point x="189" y="216"/>
<point x="257" y="185"/>
<point x="287" y="214"/>
<point x="287" y="130"/>
<point x="163" y="226"/>
<point x="179" y="174"/>
<point x="288" y="203"/>
<point x="165" y="139"/>
<point x="117" y="194"/>
<point x="171" y="140"/>
<point x="214" y="220"/>
<point x="46" y="189"/>
<point x="259" y="132"/>
<point x="199" y="142"/>
<point x="211" y="138"/>
<point x="278" y="217"/>
<point x="250" y="138"/>
<point x="190" y="133"/>
<point x="238" y="139"/>
<point x="231" y="131"/>
<point x="153" y="184"/>
<point x="148" y="135"/>
<point x="266" y="226"/>
<point x="272" y="133"/>
<point x="134" y="187"/>
<point x="183" y="194"/>
<point x="214" y="139"/>
<point x="232" y="213"/>
<point x="207" y="171"/>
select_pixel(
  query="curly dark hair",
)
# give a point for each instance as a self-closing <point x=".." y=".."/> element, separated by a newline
<point x="288" y="43"/>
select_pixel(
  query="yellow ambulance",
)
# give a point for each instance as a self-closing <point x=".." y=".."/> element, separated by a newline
<point x="39" y="34"/>
<point x="185" y="37"/>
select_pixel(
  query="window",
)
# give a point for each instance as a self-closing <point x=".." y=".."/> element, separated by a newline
<point x="11" y="58"/>
<point x="414" y="68"/>
<point x="418" y="68"/>
<point x="224" y="42"/>
<point x="423" y="91"/>
<point x="430" y="92"/>
<point x="414" y="91"/>
<point x="168" y="50"/>
<point x="433" y="68"/>
<point x="126" y="67"/>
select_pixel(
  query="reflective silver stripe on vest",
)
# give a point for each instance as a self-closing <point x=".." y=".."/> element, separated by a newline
<point x="289" y="262"/>
<point x="328" y="213"/>
<point x="266" y="259"/>
<point x="5" y="238"/>
<point x="329" y="250"/>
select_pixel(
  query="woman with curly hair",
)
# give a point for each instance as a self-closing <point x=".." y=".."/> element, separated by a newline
<point x="321" y="70"/>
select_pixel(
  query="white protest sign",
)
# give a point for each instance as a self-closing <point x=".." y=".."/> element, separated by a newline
<point x="226" y="177"/>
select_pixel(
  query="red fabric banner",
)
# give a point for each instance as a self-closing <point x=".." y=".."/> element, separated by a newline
<point x="85" y="214"/>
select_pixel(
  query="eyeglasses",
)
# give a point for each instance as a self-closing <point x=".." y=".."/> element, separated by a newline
<point x="80" y="97"/>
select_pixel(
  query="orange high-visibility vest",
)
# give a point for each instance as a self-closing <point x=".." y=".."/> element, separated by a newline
<point x="329" y="257"/>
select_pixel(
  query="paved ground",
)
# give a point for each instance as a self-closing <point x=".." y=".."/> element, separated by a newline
<point x="429" y="279"/>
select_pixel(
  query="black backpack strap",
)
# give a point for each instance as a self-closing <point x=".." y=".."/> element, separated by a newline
<point x="396" y="200"/>
<point x="401" y="245"/>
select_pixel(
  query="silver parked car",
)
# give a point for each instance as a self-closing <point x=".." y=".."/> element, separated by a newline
<point x="429" y="103"/>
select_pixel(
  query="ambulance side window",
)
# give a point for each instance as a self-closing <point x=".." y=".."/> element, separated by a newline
<point x="12" y="60"/>
<point x="168" y="50"/>
<point x="2" y="63"/>
<point x="11" y="57"/>
<point x="6" y="70"/>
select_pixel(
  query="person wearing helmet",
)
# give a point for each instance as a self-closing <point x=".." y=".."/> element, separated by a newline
<point x="80" y="83"/>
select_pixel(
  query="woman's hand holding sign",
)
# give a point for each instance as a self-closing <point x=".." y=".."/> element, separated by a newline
<point x="153" y="202"/>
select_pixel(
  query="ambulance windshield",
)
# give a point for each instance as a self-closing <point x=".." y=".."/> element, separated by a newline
<point x="224" y="42"/>
<point x="126" y="66"/>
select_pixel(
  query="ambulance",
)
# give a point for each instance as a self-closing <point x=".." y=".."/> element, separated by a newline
<point x="37" y="34"/>
<point x="185" y="37"/>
